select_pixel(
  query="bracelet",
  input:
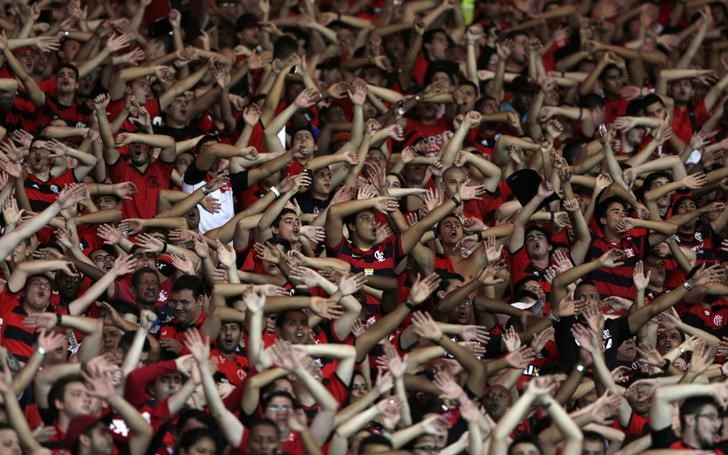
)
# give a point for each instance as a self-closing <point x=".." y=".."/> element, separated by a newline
<point x="59" y="319"/>
<point x="410" y="305"/>
<point x="164" y="248"/>
<point x="665" y="365"/>
<point x="457" y="201"/>
<point x="275" y="191"/>
<point x="552" y="217"/>
<point x="479" y="236"/>
<point x="40" y="350"/>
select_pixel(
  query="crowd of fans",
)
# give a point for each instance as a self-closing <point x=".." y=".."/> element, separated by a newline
<point x="364" y="226"/>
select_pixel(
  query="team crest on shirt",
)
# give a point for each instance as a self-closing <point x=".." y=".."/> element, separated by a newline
<point x="699" y="236"/>
<point x="629" y="252"/>
<point x="379" y="256"/>
<point x="55" y="189"/>
<point x="717" y="320"/>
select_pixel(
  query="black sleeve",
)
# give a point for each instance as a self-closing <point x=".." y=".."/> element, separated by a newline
<point x="493" y="348"/>
<point x="193" y="175"/>
<point x="239" y="181"/>
<point x="663" y="439"/>
<point x="568" y="350"/>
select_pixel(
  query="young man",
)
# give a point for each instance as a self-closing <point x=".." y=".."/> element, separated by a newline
<point x="631" y="236"/>
<point x="361" y="250"/>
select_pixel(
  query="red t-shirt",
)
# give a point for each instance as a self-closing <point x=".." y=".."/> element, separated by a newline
<point x="149" y="184"/>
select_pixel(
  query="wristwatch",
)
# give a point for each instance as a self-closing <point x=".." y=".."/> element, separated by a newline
<point x="687" y="286"/>
<point x="457" y="201"/>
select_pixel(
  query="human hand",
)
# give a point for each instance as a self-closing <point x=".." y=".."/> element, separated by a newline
<point x="125" y="264"/>
<point x="351" y="283"/>
<point x="198" y="346"/>
<point x="612" y="258"/>
<point x="40" y="320"/>
<point x="326" y="308"/>
<point x="475" y="333"/>
<point x="511" y="340"/>
<point x="639" y="278"/>
<point x="109" y="234"/>
<point x="50" y="341"/>
<point x="254" y="300"/>
<point x="521" y="358"/>
<point x="307" y="98"/>
<point x="72" y="195"/>
<point x="225" y="255"/>
<point x="422" y="288"/>
<point x="425" y="326"/>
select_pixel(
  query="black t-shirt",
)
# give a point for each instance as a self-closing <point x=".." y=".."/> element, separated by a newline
<point x="310" y="205"/>
<point x="193" y="176"/>
<point x="615" y="332"/>
<point x="179" y="134"/>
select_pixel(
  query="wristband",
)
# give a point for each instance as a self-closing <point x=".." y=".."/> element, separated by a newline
<point x="552" y="217"/>
<point x="205" y="191"/>
<point x="479" y="236"/>
<point x="275" y="191"/>
<point x="457" y="201"/>
<point x="410" y="305"/>
<point x="665" y="365"/>
<point x="164" y="248"/>
<point x="40" y="350"/>
<point x="59" y="319"/>
<point x="553" y="317"/>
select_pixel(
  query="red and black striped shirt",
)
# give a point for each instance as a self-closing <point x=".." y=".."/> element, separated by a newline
<point x="618" y="281"/>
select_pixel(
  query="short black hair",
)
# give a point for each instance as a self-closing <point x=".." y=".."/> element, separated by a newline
<point x="128" y="338"/>
<point x="190" y="438"/>
<point x="693" y="405"/>
<point x="284" y="46"/>
<point x="611" y="66"/>
<point x="69" y="66"/>
<point x="263" y="421"/>
<point x="189" y="282"/>
<point x="375" y="439"/>
<point x="282" y="315"/>
<point x="601" y="210"/>
<point x="523" y="439"/>
<point x="138" y="275"/>
<point x="188" y="414"/>
<point x="58" y="390"/>
<point x="278" y="393"/>
<point x="651" y="99"/>
<point x="284" y="212"/>
<point x="536" y="227"/>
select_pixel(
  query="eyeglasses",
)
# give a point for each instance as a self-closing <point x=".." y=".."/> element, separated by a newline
<point x="712" y="417"/>
<point x="40" y="284"/>
<point x="276" y="408"/>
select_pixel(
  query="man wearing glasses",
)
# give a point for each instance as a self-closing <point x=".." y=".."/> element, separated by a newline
<point x="701" y="416"/>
